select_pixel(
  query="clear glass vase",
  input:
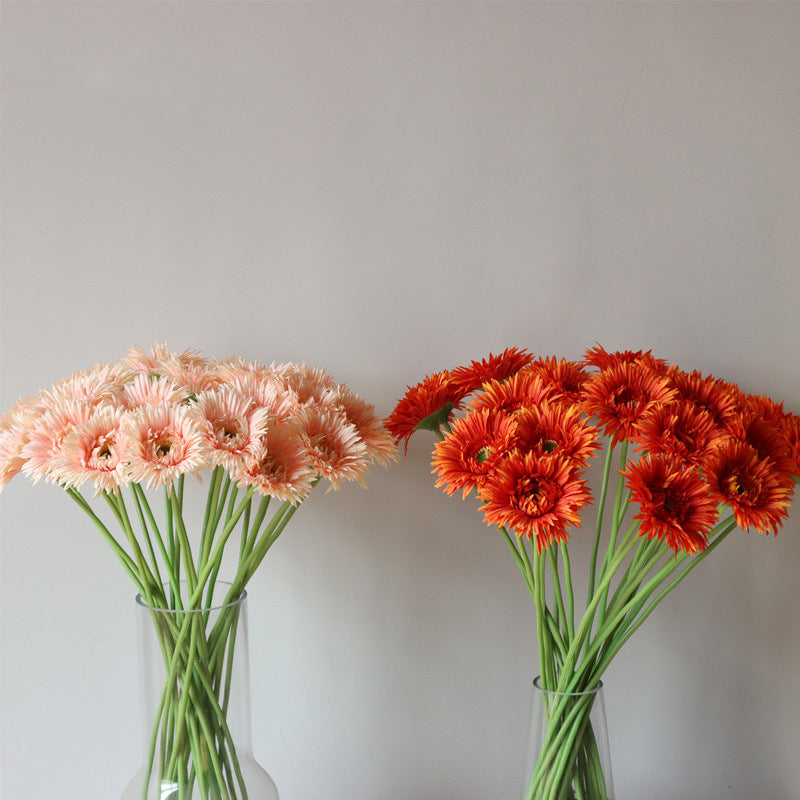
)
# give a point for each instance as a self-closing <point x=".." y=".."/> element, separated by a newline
<point x="196" y="693"/>
<point x="568" y="753"/>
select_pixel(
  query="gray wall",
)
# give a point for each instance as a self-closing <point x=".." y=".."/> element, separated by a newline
<point x="385" y="190"/>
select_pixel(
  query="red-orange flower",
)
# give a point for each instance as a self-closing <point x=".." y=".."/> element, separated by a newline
<point x="601" y="359"/>
<point x="523" y="390"/>
<point x="465" y="456"/>
<point x="565" y="378"/>
<point x="419" y="402"/>
<point x="674" y="502"/>
<point x="620" y="396"/>
<point x="553" y="428"/>
<point x="498" y="368"/>
<point x="719" y="398"/>
<point x="682" y="431"/>
<point x="756" y="491"/>
<point x="537" y="497"/>
<point x="791" y="433"/>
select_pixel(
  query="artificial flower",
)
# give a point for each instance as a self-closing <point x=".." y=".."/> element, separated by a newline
<point x="496" y="368"/>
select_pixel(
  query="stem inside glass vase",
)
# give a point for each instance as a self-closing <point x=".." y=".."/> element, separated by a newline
<point x="197" y="704"/>
<point x="568" y="754"/>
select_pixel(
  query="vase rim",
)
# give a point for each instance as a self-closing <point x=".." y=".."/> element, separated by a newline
<point x="140" y="601"/>
<point x="537" y="684"/>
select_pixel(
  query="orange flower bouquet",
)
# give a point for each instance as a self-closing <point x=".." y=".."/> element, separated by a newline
<point x="697" y="457"/>
<point x="266" y="435"/>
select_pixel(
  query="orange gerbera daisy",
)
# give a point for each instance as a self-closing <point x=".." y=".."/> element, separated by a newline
<point x="674" y="501"/>
<point x="537" y="497"/>
<point x="620" y="396"/>
<point x="601" y="359"/>
<point x="718" y="398"/>
<point x="522" y="390"/>
<point x="682" y="431"/>
<point x="756" y="491"/>
<point x="791" y="432"/>
<point x="464" y="458"/>
<point x="433" y="394"/>
<point x="497" y="368"/>
<point x="553" y="428"/>
<point x="767" y="438"/>
<point x="565" y="378"/>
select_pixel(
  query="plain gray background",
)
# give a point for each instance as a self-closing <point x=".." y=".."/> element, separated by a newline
<point x="384" y="190"/>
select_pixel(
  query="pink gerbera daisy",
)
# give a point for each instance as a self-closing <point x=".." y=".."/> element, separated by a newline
<point x="150" y="390"/>
<point x="43" y="449"/>
<point x="279" y="466"/>
<point x="14" y="431"/>
<point x="231" y="428"/>
<point x="95" y="450"/>
<point x="334" y="447"/>
<point x="163" y="443"/>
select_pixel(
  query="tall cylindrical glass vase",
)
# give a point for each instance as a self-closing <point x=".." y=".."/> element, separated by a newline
<point x="196" y="703"/>
<point x="568" y="752"/>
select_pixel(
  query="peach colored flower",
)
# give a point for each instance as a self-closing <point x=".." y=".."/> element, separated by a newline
<point x="163" y="442"/>
<point x="335" y="449"/>
<point x="279" y="466"/>
<point x="152" y="390"/>
<point x="95" y="450"/>
<point x="46" y="436"/>
<point x="101" y="384"/>
<point x="189" y="369"/>
<point x="230" y="426"/>
<point x="14" y="432"/>
<point x="359" y="413"/>
<point x="307" y="383"/>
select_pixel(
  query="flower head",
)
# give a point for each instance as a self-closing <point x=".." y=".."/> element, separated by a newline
<point x="675" y="504"/>
<point x="496" y="368"/>
<point x="15" y="426"/>
<point x="523" y="390"/>
<point x="565" y="379"/>
<point x="537" y="497"/>
<point x="552" y="428"/>
<point x="756" y="491"/>
<point x="620" y="397"/>
<point x="96" y="450"/>
<point x="280" y="466"/>
<point x="472" y="450"/>
<point x="334" y="447"/>
<point x="428" y="397"/>
<point x="163" y="443"/>
<point x="601" y="359"/>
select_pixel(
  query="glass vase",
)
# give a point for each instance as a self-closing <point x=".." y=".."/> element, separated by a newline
<point x="196" y="702"/>
<point x="568" y="753"/>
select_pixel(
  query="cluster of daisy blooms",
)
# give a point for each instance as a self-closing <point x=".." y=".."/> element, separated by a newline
<point x="528" y="427"/>
<point x="152" y="418"/>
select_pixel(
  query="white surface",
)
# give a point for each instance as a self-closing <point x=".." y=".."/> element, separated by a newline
<point x="384" y="190"/>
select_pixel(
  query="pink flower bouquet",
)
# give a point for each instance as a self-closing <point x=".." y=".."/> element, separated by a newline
<point x="135" y="429"/>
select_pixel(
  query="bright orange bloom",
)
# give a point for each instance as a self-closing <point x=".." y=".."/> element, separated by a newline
<point x="554" y="428"/>
<point x="621" y="396"/>
<point x="497" y="368"/>
<point x="768" y="439"/>
<point x="674" y="502"/>
<point x="791" y="433"/>
<point x="601" y="359"/>
<point x="420" y="401"/>
<point x="472" y="450"/>
<point x="719" y="398"/>
<point x="523" y="390"/>
<point x="537" y="497"/>
<point x="682" y="431"/>
<point x="565" y="378"/>
<point x="756" y="491"/>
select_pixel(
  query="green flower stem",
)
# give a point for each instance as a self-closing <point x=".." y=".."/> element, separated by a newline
<point x="146" y="536"/>
<point x="152" y="586"/>
<point x="601" y="504"/>
<point x="558" y="598"/>
<point x="127" y="562"/>
<point x="567" y="677"/>
<point x="570" y="591"/>
<point x="210" y="512"/>
<point x="143" y="504"/>
<point x="184" y="547"/>
<point x="173" y="551"/>
<point x="250" y="536"/>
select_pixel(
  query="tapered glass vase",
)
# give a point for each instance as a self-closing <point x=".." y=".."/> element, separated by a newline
<point x="196" y="703"/>
<point x="568" y="752"/>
